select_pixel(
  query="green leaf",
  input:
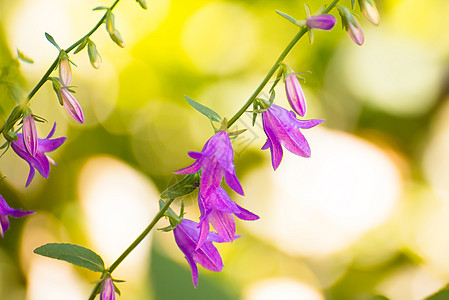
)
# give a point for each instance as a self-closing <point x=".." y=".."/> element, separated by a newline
<point x="52" y="41"/>
<point x="74" y="254"/>
<point x="101" y="8"/>
<point x="212" y="115"/>
<point x="142" y="4"/>
<point x="81" y="46"/>
<point x="442" y="294"/>
<point x="23" y="57"/>
<point x="187" y="185"/>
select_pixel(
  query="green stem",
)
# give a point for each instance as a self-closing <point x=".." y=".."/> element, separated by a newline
<point x="139" y="239"/>
<point x="273" y="69"/>
<point x="55" y="62"/>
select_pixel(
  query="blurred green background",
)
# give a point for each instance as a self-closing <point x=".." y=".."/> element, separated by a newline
<point x="366" y="215"/>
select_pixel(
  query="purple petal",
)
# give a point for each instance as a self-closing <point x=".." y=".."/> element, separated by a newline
<point x="224" y="224"/>
<point x="193" y="268"/>
<point x="246" y="215"/>
<point x="4" y="225"/>
<point x="52" y="131"/>
<point x="204" y="231"/>
<point x="107" y="290"/>
<point x="195" y="167"/>
<point x="30" y="176"/>
<point x="306" y="124"/>
<point x="48" y="145"/>
<point x="233" y="182"/>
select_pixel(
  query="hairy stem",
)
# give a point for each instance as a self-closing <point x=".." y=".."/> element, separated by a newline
<point x="273" y="69"/>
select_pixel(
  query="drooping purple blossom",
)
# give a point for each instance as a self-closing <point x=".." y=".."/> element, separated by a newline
<point x="107" y="289"/>
<point x="295" y="95"/>
<point x="40" y="161"/>
<point x="30" y="134"/>
<point x="282" y="128"/>
<point x="6" y="211"/>
<point x="186" y="237"/>
<point x="215" y="161"/>
<point x="218" y="210"/>
<point x="325" y="22"/>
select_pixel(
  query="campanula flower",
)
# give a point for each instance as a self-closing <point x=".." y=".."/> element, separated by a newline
<point x="6" y="211"/>
<point x="218" y="210"/>
<point x="295" y="95"/>
<point x="40" y="161"/>
<point x="107" y="289"/>
<point x="216" y="161"/>
<point x="186" y="237"/>
<point x="282" y="128"/>
<point x="30" y="134"/>
<point x="325" y="22"/>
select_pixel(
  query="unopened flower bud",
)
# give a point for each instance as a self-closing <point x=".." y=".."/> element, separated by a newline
<point x="30" y="134"/>
<point x="113" y="32"/>
<point x="370" y="11"/>
<point x="65" y="71"/>
<point x="107" y="289"/>
<point x="295" y="95"/>
<point x="72" y="106"/>
<point x="94" y="56"/>
<point x="352" y="25"/>
<point x="325" y="22"/>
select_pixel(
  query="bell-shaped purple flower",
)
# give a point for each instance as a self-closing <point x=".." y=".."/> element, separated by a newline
<point x="72" y="106"/>
<point x="216" y="161"/>
<point x="282" y="128"/>
<point x="325" y="22"/>
<point x="30" y="134"/>
<point x="6" y="212"/>
<point x="218" y="210"/>
<point x="295" y="95"/>
<point x="186" y="237"/>
<point x="107" y="289"/>
<point x="40" y="161"/>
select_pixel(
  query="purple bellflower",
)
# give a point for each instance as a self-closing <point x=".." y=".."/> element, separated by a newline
<point x="282" y="128"/>
<point x="216" y="161"/>
<point x="29" y="135"/>
<point x="186" y="237"/>
<point x="325" y="22"/>
<point x="107" y="289"/>
<point x="6" y="211"/>
<point x="40" y="161"/>
<point x="295" y="95"/>
<point x="218" y="210"/>
<point x="71" y="105"/>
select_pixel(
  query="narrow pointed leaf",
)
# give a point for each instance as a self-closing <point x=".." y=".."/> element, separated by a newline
<point x="291" y="19"/>
<point x="81" y="46"/>
<point x="74" y="254"/>
<point x="212" y="115"/>
<point x="52" y="40"/>
<point x="23" y="57"/>
<point x="187" y="185"/>
<point x="101" y="8"/>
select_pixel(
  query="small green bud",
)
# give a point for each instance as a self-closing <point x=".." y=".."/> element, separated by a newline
<point x="113" y="32"/>
<point x="94" y="56"/>
<point x="142" y="3"/>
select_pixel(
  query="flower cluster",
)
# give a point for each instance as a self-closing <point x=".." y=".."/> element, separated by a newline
<point x="217" y="209"/>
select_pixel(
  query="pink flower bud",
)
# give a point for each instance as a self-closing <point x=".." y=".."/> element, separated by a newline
<point x="370" y="11"/>
<point x="355" y="33"/>
<point x="30" y="134"/>
<point x="72" y="106"/>
<point x="65" y="72"/>
<point x="295" y="94"/>
<point x="325" y="22"/>
<point x="107" y="289"/>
